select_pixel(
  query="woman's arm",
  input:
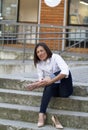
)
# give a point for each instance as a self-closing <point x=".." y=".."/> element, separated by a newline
<point x="62" y="65"/>
<point x="58" y="77"/>
<point x="49" y="80"/>
<point x="45" y="82"/>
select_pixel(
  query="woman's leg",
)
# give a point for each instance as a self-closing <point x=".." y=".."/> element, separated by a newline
<point x="66" y="87"/>
<point x="48" y="93"/>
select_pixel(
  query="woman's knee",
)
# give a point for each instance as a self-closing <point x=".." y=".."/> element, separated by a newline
<point x="48" y="89"/>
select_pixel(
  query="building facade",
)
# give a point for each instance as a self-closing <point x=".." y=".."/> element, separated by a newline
<point x="67" y="13"/>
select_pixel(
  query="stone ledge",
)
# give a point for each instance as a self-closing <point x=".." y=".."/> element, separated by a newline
<point x="33" y="98"/>
<point x="20" y="125"/>
<point x="30" y="114"/>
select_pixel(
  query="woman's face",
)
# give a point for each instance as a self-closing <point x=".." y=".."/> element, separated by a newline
<point x="41" y="53"/>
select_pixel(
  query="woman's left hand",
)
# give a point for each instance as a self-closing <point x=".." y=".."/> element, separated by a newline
<point x="46" y="81"/>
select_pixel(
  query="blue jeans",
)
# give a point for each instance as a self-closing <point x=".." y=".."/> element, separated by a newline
<point x="63" y="89"/>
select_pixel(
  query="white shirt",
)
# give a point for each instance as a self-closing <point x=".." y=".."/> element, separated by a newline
<point x="52" y="65"/>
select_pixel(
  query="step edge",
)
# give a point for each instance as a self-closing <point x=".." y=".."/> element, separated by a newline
<point x="36" y="109"/>
<point x="33" y="79"/>
<point x="32" y="93"/>
<point x="23" y="124"/>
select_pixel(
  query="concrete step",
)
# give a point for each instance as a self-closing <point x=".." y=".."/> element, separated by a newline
<point x="21" y="125"/>
<point x="30" y="114"/>
<point x="12" y="53"/>
<point x="19" y="84"/>
<point x="16" y="67"/>
<point x="76" y="103"/>
<point x="15" y="54"/>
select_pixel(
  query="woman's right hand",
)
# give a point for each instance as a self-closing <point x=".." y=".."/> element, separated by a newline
<point x="35" y="85"/>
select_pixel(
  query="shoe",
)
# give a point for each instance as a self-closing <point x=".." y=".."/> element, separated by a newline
<point x="41" y="120"/>
<point x="56" y="122"/>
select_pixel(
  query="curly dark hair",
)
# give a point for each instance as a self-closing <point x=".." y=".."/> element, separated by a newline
<point x="48" y="51"/>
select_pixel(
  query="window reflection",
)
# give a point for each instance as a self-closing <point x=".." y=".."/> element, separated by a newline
<point x="78" y="12"/>
<point x="9" y="9"/>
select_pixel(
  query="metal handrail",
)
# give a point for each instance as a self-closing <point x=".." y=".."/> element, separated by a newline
<point x="52" y="34"/>
<point x="44" y="25"/>
<point x="86" y="39"/>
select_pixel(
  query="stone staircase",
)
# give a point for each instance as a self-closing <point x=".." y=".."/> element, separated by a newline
<point x="19" y="107"/>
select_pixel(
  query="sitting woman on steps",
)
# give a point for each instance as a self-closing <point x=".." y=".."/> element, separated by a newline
<point x="54" y="76"/>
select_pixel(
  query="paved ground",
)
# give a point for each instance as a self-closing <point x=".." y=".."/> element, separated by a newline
<point x="80" y="74"/>
<point x="79" y="71"/>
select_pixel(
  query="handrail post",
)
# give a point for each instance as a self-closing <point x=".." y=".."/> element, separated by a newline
<point x="24" y="47"/>
<point x="65" y="8"/>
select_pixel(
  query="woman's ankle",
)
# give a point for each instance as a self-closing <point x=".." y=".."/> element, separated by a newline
<point x="43" y="115"/>
<point x="41" y="119"/>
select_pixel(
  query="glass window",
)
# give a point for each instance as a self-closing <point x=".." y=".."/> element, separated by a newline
<point x="78" y="12"/>
<point x="9" y="9"/>
<point x="8" y="12"/>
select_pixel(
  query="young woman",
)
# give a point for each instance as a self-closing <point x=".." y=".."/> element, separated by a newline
<point x="54" y="76"/>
